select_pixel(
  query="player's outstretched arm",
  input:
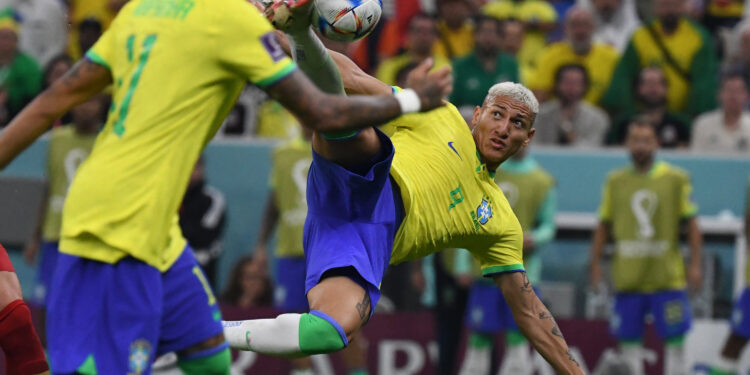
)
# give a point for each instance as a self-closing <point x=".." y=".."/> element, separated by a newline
<point x="536" y="322"/>
<point x="80" y="83"/>
<point x="321" y="112"/>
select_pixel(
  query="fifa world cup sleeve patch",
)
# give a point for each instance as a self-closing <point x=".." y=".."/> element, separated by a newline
<point x="5" y="264"/>
<point x="271" y="43"/>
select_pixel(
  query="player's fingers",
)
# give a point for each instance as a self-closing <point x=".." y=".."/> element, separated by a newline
<point x="424" y="67"/>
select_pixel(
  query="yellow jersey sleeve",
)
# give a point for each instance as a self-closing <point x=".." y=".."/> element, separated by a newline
<point x="103" y="51"/>
<point x="501" y="257"/>
<point x="605" y="208"/>
<point x="687" y="207"/>
<point x="248" y="46"/>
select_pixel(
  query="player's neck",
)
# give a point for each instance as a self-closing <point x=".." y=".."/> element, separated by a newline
<point x="644" y="167"/>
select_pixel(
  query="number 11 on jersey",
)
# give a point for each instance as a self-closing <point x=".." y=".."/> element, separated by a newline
<point x="148" y="44"/>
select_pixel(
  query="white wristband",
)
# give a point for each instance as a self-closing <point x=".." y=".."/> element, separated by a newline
<point x="408" y="100"/>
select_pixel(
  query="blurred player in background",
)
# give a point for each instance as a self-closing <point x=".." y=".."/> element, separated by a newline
<point x="367" y="208"/>
<point x="643" y="208"/>
<point x="203" y="216"/>
<point x="286" y="207"/>
<point x="176" y="69"/>
<point x="530" y="190"/>
<point x="737" y="340"/>
<point x="69" y="146"/>
<point x="18" y="340"/>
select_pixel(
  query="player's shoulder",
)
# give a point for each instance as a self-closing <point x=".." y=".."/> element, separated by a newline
<point x="605" y="51"/>
<point x="544" y="176"/>
<point x="667" y="169"/>
<point x="618" y="174"/>
<point x="61" y="132"/>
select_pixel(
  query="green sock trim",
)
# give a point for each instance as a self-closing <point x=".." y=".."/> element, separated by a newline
<point x="317" y="336"/>
<point x="675" y="341"/>
<point x="340" y="135"/>
<point x="359" y="371"/>
<point x="514" y="338"/>
<point x="714" y="371"/>
<point x="217" y="364"/>
<point x="88" y="367"/>
<point x="634" y="342"/>
<point x="480" y="340"/>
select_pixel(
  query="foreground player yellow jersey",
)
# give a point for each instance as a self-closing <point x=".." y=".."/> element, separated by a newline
<point x="450" y="198"/>
<point x="178" y="67"/>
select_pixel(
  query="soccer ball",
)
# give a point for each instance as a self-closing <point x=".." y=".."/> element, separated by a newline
<point x="346" y="20"/>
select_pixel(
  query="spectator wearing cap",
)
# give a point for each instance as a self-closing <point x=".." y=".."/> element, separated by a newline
<point x="599" y="60"/>
<point x="420" y="41"/>
<point x="538" y="18"/>
<point x="614" y="21"/>
<point x="567" y="119"/>
<point x="672" y="128"/>
<point x="455" y="29"/>
<point x="43" y="28"/>
<point x="727" y="129"/>
<point x="684" y="51"/>
<point x="484" y="67"/>
<point x="20" y="75"/>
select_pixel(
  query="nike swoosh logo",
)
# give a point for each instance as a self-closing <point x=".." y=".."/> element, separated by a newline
<point x="247" y="338"/>
<point x="450" y="144"/>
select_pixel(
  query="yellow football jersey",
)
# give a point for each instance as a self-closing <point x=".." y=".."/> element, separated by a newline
<point x="178" y="68"/>
<point x="450" y="198"/>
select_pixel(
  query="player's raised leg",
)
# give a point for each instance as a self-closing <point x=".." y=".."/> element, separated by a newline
<point x="346" y="259"/>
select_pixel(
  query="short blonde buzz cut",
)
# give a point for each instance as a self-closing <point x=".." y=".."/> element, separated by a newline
<point x="515" y="91"/>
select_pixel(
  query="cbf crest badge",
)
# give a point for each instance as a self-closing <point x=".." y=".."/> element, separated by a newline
<point x="484" y="211"/>
<point x="140" y="351"/>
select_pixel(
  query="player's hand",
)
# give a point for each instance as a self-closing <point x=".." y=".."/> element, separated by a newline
<point x="596" y="277"/>
<point x="30" y="251"/>
<point x="289" y="16"/>
<point x="695" y="276"/>
<point x="430" y="87"/>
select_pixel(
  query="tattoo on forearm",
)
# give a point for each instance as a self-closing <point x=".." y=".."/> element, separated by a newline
<point x="555" y="329"/>
<point x="526" y="288"/>
<point x="570" y="356"/>
<point x="72" y="75"/>
<point x="364" y="308"/>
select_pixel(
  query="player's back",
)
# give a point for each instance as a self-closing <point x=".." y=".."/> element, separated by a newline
<point x="177" y="68"/>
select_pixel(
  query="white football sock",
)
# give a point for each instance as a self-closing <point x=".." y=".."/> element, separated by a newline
<point x="517" y="360"/>
<point x="477" y="361"/>
<point x="674" y="360"/>
<point x="727" y="365"/>
<point x="278" y="336"/>
<point x="633" y="357"/>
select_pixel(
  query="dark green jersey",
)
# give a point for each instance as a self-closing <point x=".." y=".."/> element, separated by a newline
<point x="291" y="161"/>
<point x="645" y="211"/>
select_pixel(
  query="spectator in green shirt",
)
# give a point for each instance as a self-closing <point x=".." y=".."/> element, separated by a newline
<point x="484" y="67"/>
<point x="20" y="76"/>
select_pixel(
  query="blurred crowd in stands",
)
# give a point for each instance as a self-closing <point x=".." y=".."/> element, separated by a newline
<point x="594" y="64"/>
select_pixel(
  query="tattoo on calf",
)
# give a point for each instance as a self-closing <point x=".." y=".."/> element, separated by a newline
<point x="364" y="308"/>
